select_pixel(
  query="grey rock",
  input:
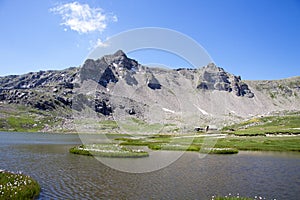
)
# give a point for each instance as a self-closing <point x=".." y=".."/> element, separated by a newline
<point x="65" y="101"/>
<point x="102" y="106"/>
<point x="215" y="78"/>
<point x="2" y="97"/>
<point x="153" y="83"/>
<point x="131" y="111"/>
<point x="130" y="80"/>
<point x="45" y="105"/>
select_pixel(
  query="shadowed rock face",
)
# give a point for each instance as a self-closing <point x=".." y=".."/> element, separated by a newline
<point x="153" y="83"/>
<point x="202" y="88"/>
<point x="109" y="68"/>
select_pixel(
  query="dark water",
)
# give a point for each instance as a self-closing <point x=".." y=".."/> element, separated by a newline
<point x="66" y="176"/>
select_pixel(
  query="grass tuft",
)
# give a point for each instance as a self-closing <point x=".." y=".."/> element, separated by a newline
<point x="17" y="186"/>
<point x="108" y="150"/>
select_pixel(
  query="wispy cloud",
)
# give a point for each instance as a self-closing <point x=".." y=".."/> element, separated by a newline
<point x="82" y="18"/>
<point x="100" y="43"/>
<point x="97" y="43"/>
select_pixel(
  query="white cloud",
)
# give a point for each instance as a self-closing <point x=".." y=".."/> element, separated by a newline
<point x="97" y="43"/>
<point x="82" y="18"/>
<point x="100" y="43"/>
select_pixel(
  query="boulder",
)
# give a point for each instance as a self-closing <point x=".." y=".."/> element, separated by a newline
<point x="153" y="83"/>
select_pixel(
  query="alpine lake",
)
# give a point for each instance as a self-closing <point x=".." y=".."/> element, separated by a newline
<point x="63" y="175"/>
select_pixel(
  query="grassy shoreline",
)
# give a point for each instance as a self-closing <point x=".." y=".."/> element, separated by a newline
<point x="196" y="143"/>
<point x="266" y="125"/>
<point x="264" y="133"/>
<point x="17" y="186"/>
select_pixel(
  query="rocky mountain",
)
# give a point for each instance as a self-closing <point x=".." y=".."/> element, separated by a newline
<point x="118" y="88"/>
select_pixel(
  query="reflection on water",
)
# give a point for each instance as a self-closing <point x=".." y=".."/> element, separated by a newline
<point x="63" y="175"/>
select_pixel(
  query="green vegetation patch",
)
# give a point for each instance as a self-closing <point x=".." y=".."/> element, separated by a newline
<point x="264" y="133"/>
<point x="174" y="147"/>
<point x="137" y="126"/>
<point x="108" y="124"/>
<point x="227" y="145"/>
<point x="219" y="150"/>
<point x="175" y="143"/>
<point x="261" y="126"/>
<point x="23" y="123"/>
<point x="24" y="119"/>
<point x="261" y="143"/>
<point x="17" y="186"/>
<point x="108" y="150"/>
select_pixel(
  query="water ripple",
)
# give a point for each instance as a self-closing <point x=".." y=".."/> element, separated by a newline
<point x="66" y="176"/>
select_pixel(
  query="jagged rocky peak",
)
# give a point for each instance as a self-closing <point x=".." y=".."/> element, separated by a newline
<point x="109" y="69"/>
<point x="216" y="78"/>
<point x="120" y="53"/>
<point x="120" y="60"/>
<point x="213" y="68"/>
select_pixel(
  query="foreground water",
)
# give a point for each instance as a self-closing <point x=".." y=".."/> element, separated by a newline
<point x="63" y="175"/>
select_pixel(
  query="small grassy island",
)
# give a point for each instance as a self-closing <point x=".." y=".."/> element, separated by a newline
<point x="17" y="186"/>
<point x="108" y="150"/>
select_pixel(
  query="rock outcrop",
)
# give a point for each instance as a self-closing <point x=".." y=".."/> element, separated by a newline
<point x="215" y="78"/>
<point x="109" y="69"/>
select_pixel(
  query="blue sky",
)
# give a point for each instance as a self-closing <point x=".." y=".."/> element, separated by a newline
<point x="257" y="39"/>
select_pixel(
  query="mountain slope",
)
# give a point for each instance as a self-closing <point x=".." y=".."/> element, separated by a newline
<point x="118" y="88"/>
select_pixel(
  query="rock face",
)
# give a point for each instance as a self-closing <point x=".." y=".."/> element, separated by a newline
<point x="44" y="90"/>
<point x="109" y="68"/>
<point x="39" y="79"/>
<point x="116" y="86"/>
<point x="215" y="78"/>
<point x="153" y="83"/>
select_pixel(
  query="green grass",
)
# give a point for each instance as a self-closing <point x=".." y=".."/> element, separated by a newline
<point x="137" y="126"/>
<point x="24" y="119"/>
<point x="219" y="150"/>
<point x="145" y="140"/>
<point x="261" y="143"/>
<point x="228" y="145"/>
<point x="24" y="123"/>
<point x="108" y="150"/>
<point x="174" y="147"/>
<point x="171" y="143"/>
<point x="17" y="186"/>
<point x="80" y="151"/>
<point x="108" y="124"/>
<point x="260" y="126"/>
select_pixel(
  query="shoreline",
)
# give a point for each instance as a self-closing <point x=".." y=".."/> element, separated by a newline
<point x="194" y="142"/>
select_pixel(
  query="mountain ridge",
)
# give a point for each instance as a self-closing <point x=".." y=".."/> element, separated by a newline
<point x="116" y="87"/>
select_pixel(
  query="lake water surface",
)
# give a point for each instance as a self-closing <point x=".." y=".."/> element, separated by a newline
<point x="62" y="175"/>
